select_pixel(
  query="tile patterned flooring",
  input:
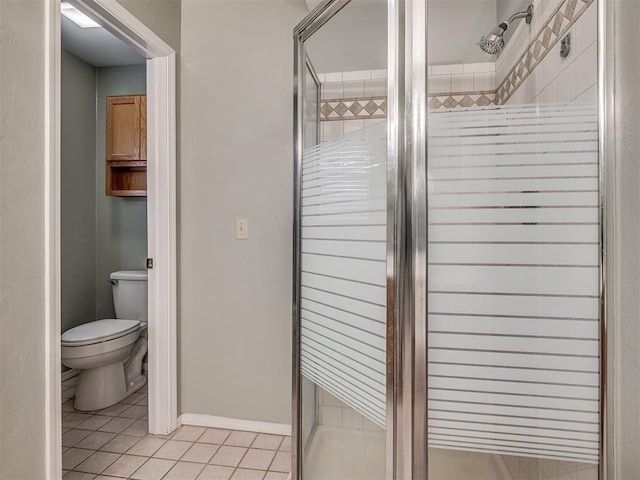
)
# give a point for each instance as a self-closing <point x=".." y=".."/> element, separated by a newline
<point x="113" y="443"/>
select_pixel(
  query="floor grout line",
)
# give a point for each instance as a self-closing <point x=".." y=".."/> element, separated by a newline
<point x="117" y="413"/>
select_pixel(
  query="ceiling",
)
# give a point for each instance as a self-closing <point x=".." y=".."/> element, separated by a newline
<point x="97" y="46"/>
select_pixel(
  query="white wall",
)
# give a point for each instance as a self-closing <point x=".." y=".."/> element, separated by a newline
<point x="237" y="148"/>
<point x="22" y="261"/>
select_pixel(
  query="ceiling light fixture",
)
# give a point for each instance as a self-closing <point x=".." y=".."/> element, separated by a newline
<point x="76" y="16"/>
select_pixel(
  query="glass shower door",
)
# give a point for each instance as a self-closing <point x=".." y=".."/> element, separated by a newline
<point x="514" y="242"/>
<point x="449" y="297"/>
<point x="341" y="274"/>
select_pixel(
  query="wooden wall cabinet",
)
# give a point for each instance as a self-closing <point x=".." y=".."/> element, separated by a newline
<point x="126" y="142"/>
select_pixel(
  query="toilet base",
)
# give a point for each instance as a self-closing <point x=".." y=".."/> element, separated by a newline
<point x="102" y="387"/>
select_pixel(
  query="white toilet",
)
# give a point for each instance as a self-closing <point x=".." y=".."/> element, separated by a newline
<point x="109" y="352"/>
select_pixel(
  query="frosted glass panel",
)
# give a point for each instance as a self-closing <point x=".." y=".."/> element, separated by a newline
<point x="514" y="281"/>
<point x="343" y="325"/>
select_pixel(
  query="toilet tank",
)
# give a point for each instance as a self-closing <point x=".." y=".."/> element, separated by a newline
<point x="130" y="294"/>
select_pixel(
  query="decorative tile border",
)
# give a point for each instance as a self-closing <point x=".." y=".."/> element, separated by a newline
<point x="462" y="100"/>
<point x="367" y="108"/>
<point x="563" y="17"/>
<point x="556" y="26"/>
<point x="364" y="108"/>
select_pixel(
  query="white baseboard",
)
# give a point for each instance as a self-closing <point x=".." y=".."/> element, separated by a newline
<point x="202" y="420"/>
<point x="72" y="372"/>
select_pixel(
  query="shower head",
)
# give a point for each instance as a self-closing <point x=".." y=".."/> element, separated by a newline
<point x="493" y="43"/>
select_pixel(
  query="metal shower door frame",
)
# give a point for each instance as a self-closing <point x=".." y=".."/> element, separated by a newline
<point x="407" y="234"/>
<point x="406" y="422"/>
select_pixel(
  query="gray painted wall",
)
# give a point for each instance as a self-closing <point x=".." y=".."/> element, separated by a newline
<point x="100" y="234"/>
<point x="237" y="143"/>
<point x="626" y="320"/>
<point x="354" y="39"/>
<point x="22" y="240"/>
<point x="23" y="422"/>
<point x="455" y="28"/>
<point x="236" y="325"/>
<point x="78" y="191"/>
<point x="161" y="16"/>
<point x="506" y="8"/>
<point x="121" y="229"/>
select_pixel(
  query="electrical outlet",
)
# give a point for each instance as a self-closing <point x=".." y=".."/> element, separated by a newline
<point x="242" y="229"/>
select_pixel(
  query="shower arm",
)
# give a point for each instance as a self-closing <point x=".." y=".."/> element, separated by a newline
<point x="527" y="14"/>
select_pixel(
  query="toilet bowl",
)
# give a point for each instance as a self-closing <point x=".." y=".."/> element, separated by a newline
<point x="109" y="352"/>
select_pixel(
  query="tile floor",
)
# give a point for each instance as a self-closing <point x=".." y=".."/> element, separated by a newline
<point x="114" y="444"/>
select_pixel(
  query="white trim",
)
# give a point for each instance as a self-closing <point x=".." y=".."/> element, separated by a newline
<point x="161" y="221"/>
<point x="119" y="21"/>
<point x="69" y="374"/>
<point x="51" y="317"/>
<point x="161" y="204"/>
<point x="201" y="420"/>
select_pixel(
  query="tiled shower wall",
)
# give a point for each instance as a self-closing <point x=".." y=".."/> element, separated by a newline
<point x="525" y="468"/>
<point x="450" y="86"/>
<point x="361" y="87"/>
<point x="530" y="69"/>
<point x="335" y="413"/>
<point x="461" y="85"/>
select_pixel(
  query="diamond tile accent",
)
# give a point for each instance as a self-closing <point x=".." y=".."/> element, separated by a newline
<point x="483" y="101"/>
<point x="354" y="108"/>
<point x="341" y="109"/>
<point x="462" y="100"/>
<point x="466" y="101"/>
<point x="450" y="102"/>
<point x="434" y="103"/>
<point x="536" y="50"/>
<point x="326" y="109"/>
<point x="546" y="37"/>
<point x="529" y="60"/>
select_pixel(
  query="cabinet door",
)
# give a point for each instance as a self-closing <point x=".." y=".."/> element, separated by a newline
<point x="142" y="99"/>
<point x="123" y="128"/>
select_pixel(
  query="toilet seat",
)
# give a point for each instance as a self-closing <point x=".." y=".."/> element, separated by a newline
<point x="99" y="331"/>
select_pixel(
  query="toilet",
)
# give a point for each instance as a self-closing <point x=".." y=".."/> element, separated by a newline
<point x="109" y="352"/>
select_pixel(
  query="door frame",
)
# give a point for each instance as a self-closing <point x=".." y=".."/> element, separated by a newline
<point x="161" y="212"/>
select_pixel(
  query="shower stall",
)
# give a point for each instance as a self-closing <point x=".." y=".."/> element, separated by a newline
<point x="449" y="264"/>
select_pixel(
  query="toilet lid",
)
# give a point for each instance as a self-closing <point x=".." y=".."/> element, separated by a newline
<point x="99" y="331"/>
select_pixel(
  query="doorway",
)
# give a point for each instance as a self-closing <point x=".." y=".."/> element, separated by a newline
<point x="161" y="215"/>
